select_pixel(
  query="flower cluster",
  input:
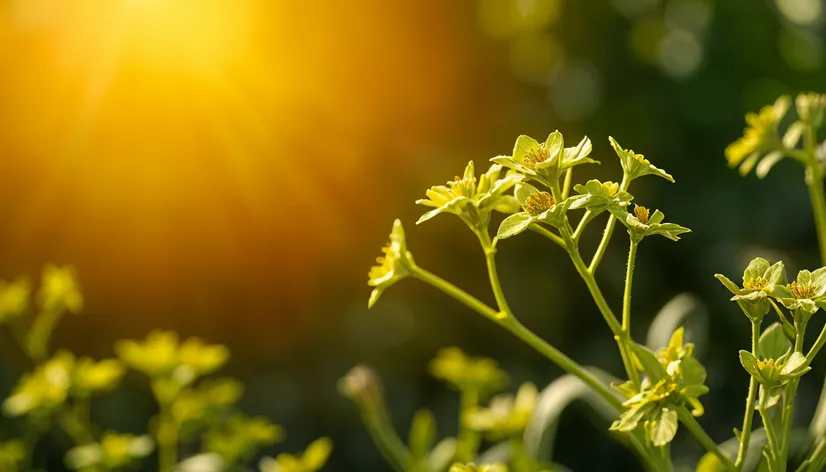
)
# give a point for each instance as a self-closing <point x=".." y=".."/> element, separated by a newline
<point x="674" y="379"/>
<point x="312" y="460"/>
<point x="507" y="415"/>
<point x="464" y="373"/>
<point x="114" y="451"/>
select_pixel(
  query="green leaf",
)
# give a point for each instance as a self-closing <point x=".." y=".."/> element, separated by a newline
<point x="773" y="342"/>
<point x="554" y="144"/>
<point x="731" y="286"/>
<point x="524" y="146"/>
<point x="422" y="434"/>
<point x="630" y="418"/>
<point x="749" y="363"/>
<point x="663" y="428"/>
<point x="513" y="225"/>
<point x="648" y="361"/>
<point x="795" y="366"/>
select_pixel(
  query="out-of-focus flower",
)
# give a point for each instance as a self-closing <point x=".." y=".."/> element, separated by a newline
<point x="313" y="459"/>
<point x="59" y="290"/>
<point x="14" y="299"/>
<point x="161" y="354"/>
<point x="760" y="140"/>
<point x="495" y="467"/>
<point x="238" y="438"/>
<point x="114" y="451"/>
<point x="466" y="373"/>
<point x="507" y="416"/>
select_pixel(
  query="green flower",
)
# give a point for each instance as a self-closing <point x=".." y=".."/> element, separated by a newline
<point x="636" y="165"/>
<point x="59" y="290"/>
<point x="759" y="138"/>
<point x="396" y="264"/>
<point x="469" y="200"/>
<point x="14" y="299"/>
<point x="599" y="196"/>
<point x="545" y="162"/>
<point x="362" y="386"/>
<point x="760" y="279"/>
<point x="806" y="294"/>
<point x="507" y="416"/>
<point x="162" y="355"/>
<point x="195" y="408"/>
<point x="673" y="378"/>
<point x="114" y="451"/>
<point x="62" y="376"/>
<point x="641" y="225"/>
<point x="313" y="459"/>
<point x="471" y="467"/>
<point x="775" y="363"/>
<point x="480" y="375"/>
<point x="810" y="108"/>
<point x="537" y="207"/>
<point x="238" y="438"/>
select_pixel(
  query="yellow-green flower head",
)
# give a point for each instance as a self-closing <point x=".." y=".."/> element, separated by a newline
<point x="759" y="137"/>
<point x="59" y="290"/>
<point x="599" y="196"/>
<point x="313" y="459"/>
<point x="640" y="224"/>
<point x="468" y="199"/>
<point x="207" y="401"/>
<point x="538" y="207"/>
<point x="14" y="299"/>
<point x="806" y="294"/>
<point x="59" y="378"/>
<point x="238" y="438"/>
<point x="810" y="108"/>
<point x="673" y="378"/>
<point x="760" y="279"/>
<point x="162" y="355"/>
<point x="477" y="374"/>
<point x="396" y="264"/>
<point x="114" y="451"/>
<point x="774" y="363"/>
<point x="44" y="389"/>
<point x="636" y="165"/>
<point x="471" y="467"/>
<point x="362" y="385"/>
<point x="506" y="416"/>
<point x="543" y="162"/>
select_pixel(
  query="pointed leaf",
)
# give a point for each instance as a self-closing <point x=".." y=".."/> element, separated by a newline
<point x="648" y="361"/>
<point x="513" y="225"/>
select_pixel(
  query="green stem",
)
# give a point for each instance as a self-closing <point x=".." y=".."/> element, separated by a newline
<point x="700" y="434"/>
<point x="815" y="183"/>
<point x="387" y="440"/>
<point x="768" y="426"/>
<point x="583" y="222"/>
<point x="517" y="329"/>
<point x="167" y="438"/>
<point x="788" y="400"/>
<point x="816" y="461"/>
<point x="496" y="286"/>
<point x="548" y="234"/>
<point x="748" y="417"/>
<point x="468" y="440"/>
<point x="821" y="340"/>
<point x="633" y="374"/>
<point x="566" y="184"/>
<point x="788" y="328"/>
<point x="609" y="229"/>
<point x="37" y="342"/>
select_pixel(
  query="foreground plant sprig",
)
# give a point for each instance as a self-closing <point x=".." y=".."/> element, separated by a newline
<point x="662" y="389"/>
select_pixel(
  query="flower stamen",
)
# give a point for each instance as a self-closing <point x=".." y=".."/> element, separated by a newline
<point x="539" y="202"/>
<point x="641" y="213"/>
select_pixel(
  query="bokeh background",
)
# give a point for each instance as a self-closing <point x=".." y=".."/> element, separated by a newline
<point x="230" y="168"/>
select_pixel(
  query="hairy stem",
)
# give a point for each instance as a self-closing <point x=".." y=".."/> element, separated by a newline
<point x="748" y="417"/>
<point x="609" y="230"/>
<point x="817" y="346"/>
<point x="768" y="426"/>
<point x="788" y="403"/>
<point x="700" y="434"/>
<point x="583" y="222"/>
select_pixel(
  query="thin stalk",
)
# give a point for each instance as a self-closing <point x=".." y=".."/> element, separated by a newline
<point x="788" y="328"/>
<point x="517" y="329"/>
<point x="814" y="180"/>
<point x="700" y="434"/>
<point x="788" y="400"/>
<point x="167" y="440"/>
<point x="468" y="440"/>
<point x="566" y="184"/>
<point x="387" y="440"/>
<point x="748" y="417"/>
<point x="817" y="459"/>
<point x="768" y="426"/>
<point x="580" y="227"/>
<point x="548" y="234"/>
<point x="821" y="340"/>
<point x="609" y="230"/>
<point x="633" y="374"/>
